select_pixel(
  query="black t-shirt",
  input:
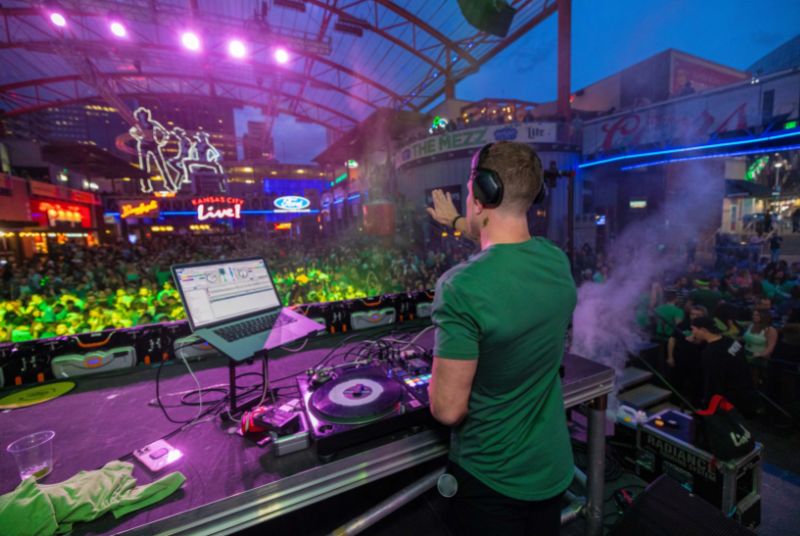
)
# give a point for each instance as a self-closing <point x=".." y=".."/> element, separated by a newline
<point x="725" y="373"/>
<point x="775" y="242"/>
<point x="688" y="355"/>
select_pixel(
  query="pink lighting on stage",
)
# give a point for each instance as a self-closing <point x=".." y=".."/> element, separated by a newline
<point x="191" y="41"/>
<point x="58" y="19"/>
<point x="281" y="56"/>
<point x="237" y="48"/>
<point x="118" y="29"/>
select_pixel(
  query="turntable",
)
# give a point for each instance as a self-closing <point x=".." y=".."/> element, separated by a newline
<point x="358" y="405"/>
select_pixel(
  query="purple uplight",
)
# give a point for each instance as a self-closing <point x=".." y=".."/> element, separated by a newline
<point x="58" y="19"/>
<point x="282" y="56"/>
<point x="118" y="29"/>
<point x="237" y="48"/>
<point x="191" y="41"/>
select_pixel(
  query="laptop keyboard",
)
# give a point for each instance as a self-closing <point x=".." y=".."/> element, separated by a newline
<point x="252" y="326"/>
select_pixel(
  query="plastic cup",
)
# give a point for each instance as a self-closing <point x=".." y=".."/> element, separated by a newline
<point x="33" y="454"/>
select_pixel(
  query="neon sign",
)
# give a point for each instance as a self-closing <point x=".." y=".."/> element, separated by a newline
<point x="193" y="152"/>
<point x="284" y="226"/>
<point x="148" y="209"/>
<point x="438" y="123"/>
<point x="756" y="168"/>
<point x="292" y="203"/>
<point x="56" y="212"/>
<point x="218" y="207"/>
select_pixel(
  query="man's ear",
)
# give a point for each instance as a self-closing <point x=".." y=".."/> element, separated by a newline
<point x="479" y="208"/>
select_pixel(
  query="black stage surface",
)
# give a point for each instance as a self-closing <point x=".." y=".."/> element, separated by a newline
<point x="105" y="418"/>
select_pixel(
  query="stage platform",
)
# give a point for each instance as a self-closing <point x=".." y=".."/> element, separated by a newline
<point x="231" y="483"/>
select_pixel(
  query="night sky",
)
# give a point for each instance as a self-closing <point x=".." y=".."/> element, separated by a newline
<point x="607" y="36"/>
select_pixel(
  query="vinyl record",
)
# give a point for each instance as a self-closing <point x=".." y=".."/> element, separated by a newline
<point x="35" y="395"/>
<point x="356" y="398"/>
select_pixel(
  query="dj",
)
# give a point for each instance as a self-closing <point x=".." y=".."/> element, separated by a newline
<point x="500" y="320"/>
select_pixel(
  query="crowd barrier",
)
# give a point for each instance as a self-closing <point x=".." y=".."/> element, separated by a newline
<point x="41" y="360"/>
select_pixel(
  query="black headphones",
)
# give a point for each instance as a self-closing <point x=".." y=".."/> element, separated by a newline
<point x="487" y="186"/>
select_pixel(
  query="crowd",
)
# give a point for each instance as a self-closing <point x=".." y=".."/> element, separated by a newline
<point x="732" y="327"/>
<point x="76" y="289"/>
<point x="498" y="115"/>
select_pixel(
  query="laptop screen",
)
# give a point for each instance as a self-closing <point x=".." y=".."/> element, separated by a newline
<point x="224" y="290"/>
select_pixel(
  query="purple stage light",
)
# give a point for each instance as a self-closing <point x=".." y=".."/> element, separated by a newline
<point x="58" y="19"/>
<point x="281" y="56"/>
<point x="118" y="29"/>
<point x="191" y="41"/>
<point x="237" y="48"/>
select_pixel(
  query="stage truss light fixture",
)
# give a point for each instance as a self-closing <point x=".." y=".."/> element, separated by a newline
<point x="351" y="25"/>
<point x="296" y="5"/>
<point x="58" y="19"/>
<point x="282" y="56"/>
<point x="237" y="48"/>
<point x="118" y="29"/>
<point x="191" y="41"/>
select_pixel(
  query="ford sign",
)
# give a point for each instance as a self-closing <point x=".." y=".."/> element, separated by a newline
<point x="505" y="134"/>
<point x="292" y="203"/>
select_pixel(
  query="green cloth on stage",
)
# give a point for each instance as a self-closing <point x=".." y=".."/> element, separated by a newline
<point x="509" y="307"/>
<point x="43" y="509"/>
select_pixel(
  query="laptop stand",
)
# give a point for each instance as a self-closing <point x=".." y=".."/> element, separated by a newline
<point x="232" y="364"/>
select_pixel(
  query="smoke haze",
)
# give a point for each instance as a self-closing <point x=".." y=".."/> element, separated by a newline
<point x="604" y="322"/>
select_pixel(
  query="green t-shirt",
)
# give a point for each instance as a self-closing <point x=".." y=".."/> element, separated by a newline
<point x="21" y="334"/>
<point x="162" y="277"/>
<point x="668" y="316"/>
<point x="509" y="307"/>
<point x="706" y="297"/>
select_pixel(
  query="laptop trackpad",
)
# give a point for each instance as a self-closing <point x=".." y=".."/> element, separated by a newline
<point x="285" y="333"/>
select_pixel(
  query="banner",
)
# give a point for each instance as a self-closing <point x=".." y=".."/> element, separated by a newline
<point x="693" y="74"/>
<point x="473" y="138"/>
<point x="685" y="122"/>
<point x="84" y="197"/>
<point x="44" y="189"/>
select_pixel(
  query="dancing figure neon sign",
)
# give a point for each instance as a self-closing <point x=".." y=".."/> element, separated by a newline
<point x="195" y="152"/>
<point x="218" y="207"/>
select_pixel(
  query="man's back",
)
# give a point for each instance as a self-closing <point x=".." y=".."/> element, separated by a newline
<point x="726" y="373"/>
<point x="510" y="305"/>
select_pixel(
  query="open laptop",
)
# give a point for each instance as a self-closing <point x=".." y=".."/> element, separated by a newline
<point x="233" y="305"/>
